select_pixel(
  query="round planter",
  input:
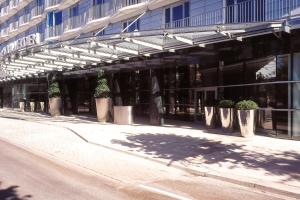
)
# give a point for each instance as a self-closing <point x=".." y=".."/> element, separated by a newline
<point x="22" y="106"/>
<point x="246" y="122"/>
<point x="226" y="117"/>
<point x="32" y="106"/>
<point x="102" y="108"/>
<point x="55" y="106"/>
<point x="42" y="106"/>
<point x="210" y="116"/>
<point x="123" y="115"/>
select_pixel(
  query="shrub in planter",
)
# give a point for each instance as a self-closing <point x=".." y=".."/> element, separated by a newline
<point x="102" y="98"/>
<point x="246" y="117"/>
<point x="210" y="114"/>
<point x="226" y="114"/>
<point x="54" y="99"/>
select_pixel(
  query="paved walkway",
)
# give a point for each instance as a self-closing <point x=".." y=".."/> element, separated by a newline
<point x="261" y="161"/>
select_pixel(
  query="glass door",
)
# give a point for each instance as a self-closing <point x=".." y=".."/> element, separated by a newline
<point x="202" y="96"/>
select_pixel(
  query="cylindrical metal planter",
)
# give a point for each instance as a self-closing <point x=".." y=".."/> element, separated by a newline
<point x="22" y="106"/>
<point x="246" y="122"/>
<point x="226" y="117"/>
<point x="210" y="116"/>
<point x="32" y="106"/>
<point x="55" y="106"/>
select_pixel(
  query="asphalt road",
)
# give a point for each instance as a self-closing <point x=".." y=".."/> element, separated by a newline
<point x="24" y="175"/>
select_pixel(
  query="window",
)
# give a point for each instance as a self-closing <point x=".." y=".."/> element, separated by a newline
<point x="133" y="27"/>
<point x="178" y="15"/>
<point x="97" y="2"/>
<point x="74" y="11"/>
<point x="54" y="18"/>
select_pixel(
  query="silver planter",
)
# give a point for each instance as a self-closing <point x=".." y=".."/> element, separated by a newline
<point x="226" y="117"/>
<point x="210" y="116"/>
<point x="123" y="115"/>
<point x="246" y="122"/>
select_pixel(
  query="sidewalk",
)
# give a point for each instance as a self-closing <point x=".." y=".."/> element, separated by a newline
<point x="263" y="162"/>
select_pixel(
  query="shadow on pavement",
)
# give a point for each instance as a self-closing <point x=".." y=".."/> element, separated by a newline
<point x="11" y="193"/>
<point x="198" y="151"/>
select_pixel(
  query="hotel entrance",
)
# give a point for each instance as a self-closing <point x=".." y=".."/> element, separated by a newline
<point x="203" y="97"/>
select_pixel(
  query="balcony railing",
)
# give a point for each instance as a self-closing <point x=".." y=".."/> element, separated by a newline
<point x="13" y="26"/>
<point x="99" y="11"/>
<point x="251" y="11"/>
<point x="13" y="3"/>
<point x="37" y="11"/>
<point x="53" y="31"/>
<point x="73" y="22"/>
<point x="24" y="19"/>
<point x="51" y="3"/>
<point x="4" y="32"/>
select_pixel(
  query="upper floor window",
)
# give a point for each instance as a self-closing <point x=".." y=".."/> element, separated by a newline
<point x="54" y="18"/>
<point x="133" y="27"/>
<point x="74" y="11"/>
<point x="177" y="15"/>
<point x="97" y="2"/>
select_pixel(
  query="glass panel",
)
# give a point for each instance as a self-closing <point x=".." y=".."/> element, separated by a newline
<point x="187" y="9"/>
<point x="177" y="13"/>
<point x="296" y="67"/>
<point x="296" y="124"/>
<point x="296" y="95"/>
<point x="262" y="70"/>
<point x="282" y="67"/>
<point x="233" y="74"/>
<point x="50" y="21"/>
<point x="58" y="18"/>
<point x="167" y="15"/>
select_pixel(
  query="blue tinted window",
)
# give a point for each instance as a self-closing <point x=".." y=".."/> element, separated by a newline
<point x="177" y="13"/>
<point x="39" y="2"/>
<point x="58" y="18"/>
<point x="186" y="9"/>
<point x="50" y="21"/>
<point x="74" y="11"/>
<point x="168" y="15"/>
<point x="97" y="2"/>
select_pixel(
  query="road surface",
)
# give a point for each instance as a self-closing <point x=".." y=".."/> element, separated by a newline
<point x="24" y="175"/>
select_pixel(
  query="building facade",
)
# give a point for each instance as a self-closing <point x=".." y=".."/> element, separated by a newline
<point x="181" y="53"/>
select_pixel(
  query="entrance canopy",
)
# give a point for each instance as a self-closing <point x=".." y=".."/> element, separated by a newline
<point x="109" y="51"/>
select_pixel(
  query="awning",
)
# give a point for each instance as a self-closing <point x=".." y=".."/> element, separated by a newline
<point x="109" y="50"/>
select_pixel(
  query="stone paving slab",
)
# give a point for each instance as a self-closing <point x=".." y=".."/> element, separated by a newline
<point x="260" y="160"/>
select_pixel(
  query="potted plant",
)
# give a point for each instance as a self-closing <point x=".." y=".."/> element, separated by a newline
<point x="54" y="99"/>
<point x="102" y="98"/>
<point x="246" y="117"/>
<point x="210" y="114"/>
<point x="226" y="114"/>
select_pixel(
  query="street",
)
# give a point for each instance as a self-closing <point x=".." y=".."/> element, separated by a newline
<point x="27" y="176"/>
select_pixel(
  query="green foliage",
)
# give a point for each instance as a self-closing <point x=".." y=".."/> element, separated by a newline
<point x="102" y="90"/>
<point x="246" y="105"/>
<point x="226" y="103"/>
<point x="54" y="90"/>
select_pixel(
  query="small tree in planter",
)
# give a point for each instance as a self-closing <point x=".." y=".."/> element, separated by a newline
<point x="102" y="98"/>
<point x="54" y="99"/>
<point x="226" y="114"/>
<point x="210" y="113"/>
<point x="246" y="117"/>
